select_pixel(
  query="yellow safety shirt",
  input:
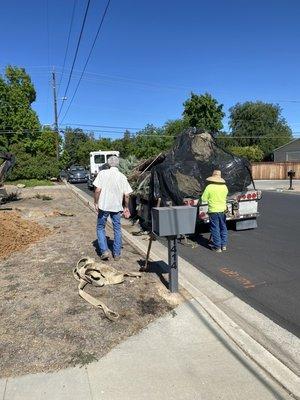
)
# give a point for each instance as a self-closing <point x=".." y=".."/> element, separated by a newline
<point x="215" y="195"/>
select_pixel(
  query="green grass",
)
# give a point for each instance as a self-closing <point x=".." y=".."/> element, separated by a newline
<point x="31" y="182"/>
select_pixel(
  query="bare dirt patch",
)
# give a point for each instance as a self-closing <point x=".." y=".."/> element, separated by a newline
<point x="17" y="233"/>
<point x="45" y="325"/>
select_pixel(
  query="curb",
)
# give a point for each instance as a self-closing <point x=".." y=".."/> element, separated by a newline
<point x="259" y="354"/>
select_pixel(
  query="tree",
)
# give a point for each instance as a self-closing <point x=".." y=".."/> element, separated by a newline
<point x="84" y="148"/>
<point x="74" y="140"/>
<point x="18" y="121"/>
<point x="125" y="145"/>
<point x="29" y="166"/>
<point x="151" y="141"/>
<point x="259" y="124"/>
<point x="175" y="127"/>
<point x="203" y="112"/>
<point x="20" y="129"/>
<point x="46" y="143"/>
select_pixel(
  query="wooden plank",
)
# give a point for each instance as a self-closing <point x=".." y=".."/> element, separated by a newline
<point x="273" y="171"/>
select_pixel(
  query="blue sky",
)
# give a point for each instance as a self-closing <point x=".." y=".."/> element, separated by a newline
<point x="151" y="54"/>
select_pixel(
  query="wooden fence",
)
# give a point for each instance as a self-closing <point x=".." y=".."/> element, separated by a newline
<point x="273" y="170"/>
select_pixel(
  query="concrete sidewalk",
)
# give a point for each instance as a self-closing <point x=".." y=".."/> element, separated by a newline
<point x="184" y="355"/>
<point x="278" y="185"/>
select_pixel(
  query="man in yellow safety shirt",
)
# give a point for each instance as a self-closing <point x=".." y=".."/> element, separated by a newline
<point x="215" y="195"/>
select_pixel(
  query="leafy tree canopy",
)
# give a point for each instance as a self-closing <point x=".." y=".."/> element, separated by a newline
<point x="84" y="149"/>
<point x="259" y="124"/>
<point x="203" y="112"/>
<point x="18" y="121"/>
<point x="175" y="127"/>
<point x="151" y="141"/>
<point x="46" y="142"/>
<point x="74" y="140"/>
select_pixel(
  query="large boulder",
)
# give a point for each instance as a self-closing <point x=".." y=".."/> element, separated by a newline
<point x="191" y="160"/>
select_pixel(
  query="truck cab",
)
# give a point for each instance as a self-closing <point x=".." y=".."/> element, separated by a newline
<point x="98" y="161"/>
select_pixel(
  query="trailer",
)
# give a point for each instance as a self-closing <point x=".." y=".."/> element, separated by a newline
<point x="179" y="178"/>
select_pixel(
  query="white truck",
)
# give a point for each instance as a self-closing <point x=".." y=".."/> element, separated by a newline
<point x="98" y="161"/>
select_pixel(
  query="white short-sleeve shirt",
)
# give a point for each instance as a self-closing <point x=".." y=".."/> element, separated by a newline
<point x="114" y="185"/>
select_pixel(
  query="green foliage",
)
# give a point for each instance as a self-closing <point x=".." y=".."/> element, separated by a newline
<point x="78" y="145"/>
<point x="46" y="143"/>
<point x="83" y="150"/>
<point x="30" y="166"/>
<point x="259" y="124"/>
<point x="18" y="122"/>
<point x="20" y="130"/>
<point x="252" y="153"/>
<point x="125" y="145"/>
<point x="175" y="127"/>
<point x="127" y="165"/>
<point x="151" y="141"/>
<point x="74" y="140"/>
<point x="203" y="112"/>
<point x="64" y="160"/>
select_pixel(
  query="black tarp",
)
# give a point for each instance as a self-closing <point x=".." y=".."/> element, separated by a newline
<point x="186" y="166"/>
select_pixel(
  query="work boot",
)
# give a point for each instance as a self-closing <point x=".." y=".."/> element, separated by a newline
<point x="104" y="255"/>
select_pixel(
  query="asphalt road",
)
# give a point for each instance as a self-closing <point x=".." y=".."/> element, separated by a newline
<point x="261" y="266"/>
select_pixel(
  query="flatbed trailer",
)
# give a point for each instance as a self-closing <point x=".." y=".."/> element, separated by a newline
<point x="242" y="208"/>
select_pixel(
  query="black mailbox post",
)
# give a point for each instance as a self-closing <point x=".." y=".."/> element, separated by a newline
<point x="171" y="222"/>
<point x="291" y="175"/>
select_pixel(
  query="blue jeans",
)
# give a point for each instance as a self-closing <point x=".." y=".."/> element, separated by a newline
<point x="218" y="229"/>
<point x="116" y="221"/>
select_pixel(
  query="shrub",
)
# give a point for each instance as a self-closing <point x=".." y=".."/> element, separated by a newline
<point x="34" y="167"/>
<point x="252" y="153"/>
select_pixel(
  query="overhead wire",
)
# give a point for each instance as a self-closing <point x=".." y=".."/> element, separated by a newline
<point x="102" y="126"/>
<point x="158" y="135"/>
<point x="75" y="55"/>
<point x="88" y="58"/>
<point x="67" y="47"/>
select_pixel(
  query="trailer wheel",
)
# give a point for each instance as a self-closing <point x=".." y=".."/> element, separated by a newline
<point x="246" y="224"/>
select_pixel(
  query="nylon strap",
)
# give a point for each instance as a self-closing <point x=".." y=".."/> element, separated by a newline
<point x="88" y="271"/>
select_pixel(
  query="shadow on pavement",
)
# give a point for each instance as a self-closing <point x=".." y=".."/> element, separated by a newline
<point x="234" y="352"/>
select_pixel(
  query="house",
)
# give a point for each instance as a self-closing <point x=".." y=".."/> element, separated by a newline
<point x="289" y="152"/>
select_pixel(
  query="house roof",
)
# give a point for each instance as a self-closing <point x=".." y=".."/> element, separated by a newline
<point x="294" y="140"/>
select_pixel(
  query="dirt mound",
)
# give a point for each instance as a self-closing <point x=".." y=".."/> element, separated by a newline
<point x="17" y="233"/>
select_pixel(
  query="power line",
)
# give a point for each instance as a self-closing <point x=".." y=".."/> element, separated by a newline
<point x="103" y="126"/>
<point x="158" y="135"/>
<point x="76" y="53"/>
<point x="68" y="42"/>
<point x="88" y="58"/>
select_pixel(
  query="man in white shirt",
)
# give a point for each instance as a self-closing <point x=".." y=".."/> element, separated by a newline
<point x="111" y="188"/>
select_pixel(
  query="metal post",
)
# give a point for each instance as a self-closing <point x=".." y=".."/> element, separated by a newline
<point x="291" y="182"/>
<point x="173" y="264"/>
<point x="55" y="114"/>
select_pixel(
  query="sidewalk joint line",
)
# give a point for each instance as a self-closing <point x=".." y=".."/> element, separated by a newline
<point x="4" y="393"/>
<point x="90" y="387"/>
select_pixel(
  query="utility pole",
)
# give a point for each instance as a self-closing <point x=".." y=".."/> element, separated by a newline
<point x="55" y="114"/>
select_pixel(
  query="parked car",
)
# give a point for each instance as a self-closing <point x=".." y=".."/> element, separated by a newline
<point x="77" y="174"/>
